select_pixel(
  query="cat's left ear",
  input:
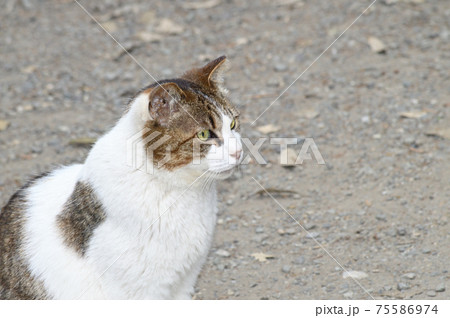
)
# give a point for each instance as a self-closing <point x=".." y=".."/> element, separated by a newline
<point x="164" y="100"/>
<point x="211" y="74"/>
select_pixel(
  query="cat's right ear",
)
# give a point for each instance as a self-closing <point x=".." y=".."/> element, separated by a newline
<point x="164" y="101"/>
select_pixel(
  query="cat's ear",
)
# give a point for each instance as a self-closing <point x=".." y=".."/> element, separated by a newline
<point x="209" y="75"/>
<point x="164" y="100"/>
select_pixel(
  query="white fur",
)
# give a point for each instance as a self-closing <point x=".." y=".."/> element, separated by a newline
<point x="158" y="228"/>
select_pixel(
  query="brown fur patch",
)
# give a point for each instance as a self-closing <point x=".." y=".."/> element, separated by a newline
<point x="182" y="107"/>
<point x="207" y="75"/>
<point x="82" y="214"/>
<point x="16" y="281"/>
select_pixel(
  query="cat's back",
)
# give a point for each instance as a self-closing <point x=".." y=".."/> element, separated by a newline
<point x="26" y="220"/>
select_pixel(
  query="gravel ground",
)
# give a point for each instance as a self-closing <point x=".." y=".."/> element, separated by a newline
<point x="379" y="115"/>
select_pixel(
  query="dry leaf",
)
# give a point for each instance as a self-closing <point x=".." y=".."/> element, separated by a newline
<point x="267" y="129"/>
<point x="201" y="4"/>
<point x="29" y="69"/>
<point x="275" y="191"/>
<point x="4" y="124"/>
<point x="110" y="26"/>
<point x="376" y="45"/>
<point x="82" y="141"/>
<point x="443" y="133"/>
<point x="167" y="26"/>
<point x="413" y="114"/>
<point x="262" y="257"/>
<point x="147" y="17"/>
<point x="148" y="37"/>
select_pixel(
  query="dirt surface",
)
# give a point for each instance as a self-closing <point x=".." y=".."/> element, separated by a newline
<point x="380" y="205"/>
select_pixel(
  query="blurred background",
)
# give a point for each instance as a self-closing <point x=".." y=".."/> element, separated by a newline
<point x="376" y="103"/>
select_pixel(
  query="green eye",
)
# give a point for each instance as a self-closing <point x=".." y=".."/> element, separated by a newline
<point x="204" y="135"/>
<point x="233" y="124"/>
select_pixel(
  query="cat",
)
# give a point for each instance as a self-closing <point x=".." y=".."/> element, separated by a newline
<point x="111" y="229"/>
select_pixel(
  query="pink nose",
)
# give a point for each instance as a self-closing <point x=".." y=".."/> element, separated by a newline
<point x="237" y="154"/>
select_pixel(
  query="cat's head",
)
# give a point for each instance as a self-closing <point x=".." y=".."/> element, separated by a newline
<point x="189" y="123"/>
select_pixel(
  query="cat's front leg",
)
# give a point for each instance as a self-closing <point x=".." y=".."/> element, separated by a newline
<point x="185" y="289"/>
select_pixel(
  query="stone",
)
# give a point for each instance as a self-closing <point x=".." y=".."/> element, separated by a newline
<point x="354" y="274"/>
<point x="286" y="269"/>
<point x="431" y="293"/>
<point x="312" y="235"/>
<point x="440" y="288"/>
<point x="348" y="295"/>
<point x="410" y="276"/>
<point x="309" y="227"/>
<point x="259" y="229"/>
<point x="167" y="26"/>
<point x="401" y="231"/>
<point x="299" y="260"/>
<point x="223" y="253"/>
<point x="376" y="45"/>
<point x="280" y="67"/>
<point x="291" y="231"/>
<point x="403" y="286"/>
<point x="308" y="113"/>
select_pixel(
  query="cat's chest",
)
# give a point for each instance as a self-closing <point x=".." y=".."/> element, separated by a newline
<point x="158" y="240"/>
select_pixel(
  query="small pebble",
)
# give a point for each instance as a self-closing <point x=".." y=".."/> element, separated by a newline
<point x="409" y="276"/>
<point x="299" y="260"/>
<point x="280" y="67"/>
<point x="286" y="269"/>
<point x="259" y="229"/>
<point x="312" y="235"/>
<point x="354" y="274"/>
<point x="309" y="227"/>
<point x="273" y="82"/>
<point x="223" y="253"/>
<point x="291" y="231"/>
<point x="431" y="293"/>
<point x="440" y="288"/>
<point x="36" y="149"/>
<point x="403" y="286"/>
<point x="348" y="295"/>
<point x="401" y="231"/>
